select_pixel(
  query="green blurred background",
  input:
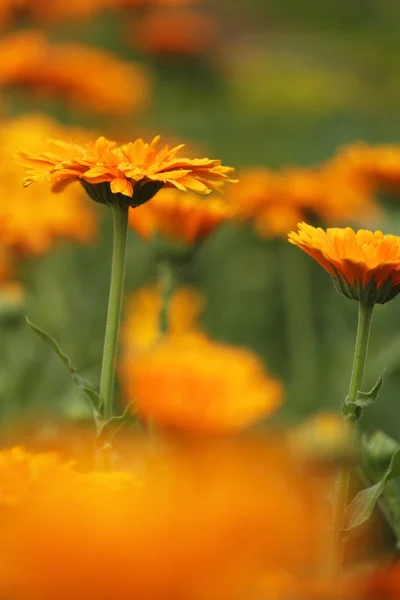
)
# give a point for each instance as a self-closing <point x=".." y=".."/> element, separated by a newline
<point x="282" y="82"/>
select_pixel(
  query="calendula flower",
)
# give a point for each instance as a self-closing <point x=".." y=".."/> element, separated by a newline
<point x="275" y="201"/>
<point x="378" y="165"/>
<point x="49" y="11"/>
<point x="194" y="385"/>
<point x="129" y="174"/>
<point x="140" y="330"/>
<point x="70" y="72"/>
<point x="364" y="265"/>
<point x="173" y="32"/>
<point x="197" y="523"/>
<point x="31" y="221"/>
<point x="179" y="218"/>
<point x="255" y="199"/>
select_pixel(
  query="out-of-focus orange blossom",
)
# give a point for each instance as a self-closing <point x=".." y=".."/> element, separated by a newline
<point x="173" y="32"/>
<point x="140" y="329"/>
<point x="378" y="165"/>
<point x="177" y="217"/>
<point x="48" y="11"/>
<point x="32" y="220"/>
<point x="70" y="72"/>
<point x="191" y="384"/>
<point x="190" y="521"/>
<point x="275" y="201"/>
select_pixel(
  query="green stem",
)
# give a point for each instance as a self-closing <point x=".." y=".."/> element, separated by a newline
<point x="166" y="277"/>
<point x="120" y="214"/>
<point x="300" y="327"/>
<point x="344" y="474"/>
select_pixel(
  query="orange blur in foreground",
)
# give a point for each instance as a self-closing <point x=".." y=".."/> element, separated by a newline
<point x="191" y="384"/>
<point x="188" y="522"/>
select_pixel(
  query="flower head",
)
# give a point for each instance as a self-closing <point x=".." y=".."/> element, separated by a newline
<point x="174" y="32"/>
<point x="129" y="174"/>
<point x="275" y="201"/>
<point x="70" y="72"/>
<point x="31" y="221"/>
<point x="140" y="330"/>
<point x="378" y="165"/>
<point x="364" y="265"/>
<point x="179" y="218"/>
<point x="192" y="384"/>
<point x="201" y="522"/>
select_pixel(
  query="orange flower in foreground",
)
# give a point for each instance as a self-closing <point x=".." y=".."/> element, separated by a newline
<point x="141" y="330"/>
<point x="32" y="220"/>
<point x="174" y="32"/>
<point x="179" y="217"/>
<point x="364" y="265"/>
<point x="130" y="173"/>
<point x="192" y="384"/>
<point x="192" y="522"/>
<point x="71" y="73"/>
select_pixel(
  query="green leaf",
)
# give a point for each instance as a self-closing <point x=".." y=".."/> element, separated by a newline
<point x="91" y="393"/>
<point x="367" y="398"/>
<point x="362" y="506"/>
<point x="53" y="345"/>
<point x="353" y="410"/>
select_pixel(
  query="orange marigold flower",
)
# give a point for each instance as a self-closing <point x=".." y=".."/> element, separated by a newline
<point x="71" y="73"/>
<point x="192" y="384"/>
<point x="174" y="32"/>
<point x="195" y="522"/>
<point x="275" y="201"/>
<point x="34" y="219"/>
<point x="140" y="330"/>
<point x="179" y="217"/>
<point x="364" y="265"/>
<point x="255" y="198"/>
<point x="47" y="11"/>
<point x="129" y="174"/>
<point x="378" y="165"/>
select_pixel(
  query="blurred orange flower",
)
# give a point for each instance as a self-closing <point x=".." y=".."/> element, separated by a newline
<point x="179" y="217"/>
<point x="71" y="73"/>
<point x="192" y="384"/>
<point x="135" y="170"/>
<point x="378" y="165"/>
<point x="48" y="10"/>
<point x="174" y="32"/>
<point x="255" y="198"/>
<point x="140" y="330"/>
<point x="32" y="220"/>
<point x="364" y="265"/>
<point x="193" y="522"/>
<point x="277" y="200"/>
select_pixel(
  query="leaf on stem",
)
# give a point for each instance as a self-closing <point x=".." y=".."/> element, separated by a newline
<point x="91" y="393"/>
<point x="353" y="410"/>
<point x="362" y="506"/>
<point x="109" y="429"/>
